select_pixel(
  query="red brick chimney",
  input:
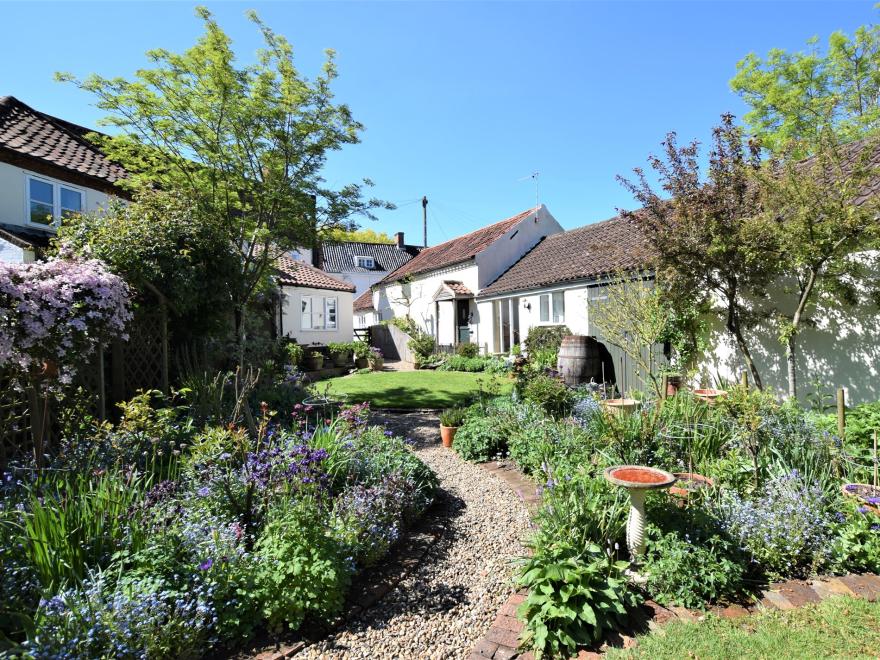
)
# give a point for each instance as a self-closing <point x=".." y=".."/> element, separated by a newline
<point x="399" y="237"/>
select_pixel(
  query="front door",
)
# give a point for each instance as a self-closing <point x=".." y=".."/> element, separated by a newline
<point x="462" y="320"/>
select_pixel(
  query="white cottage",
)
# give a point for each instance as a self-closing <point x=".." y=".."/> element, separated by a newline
<point x="437" y="288"/>
<point x="47" y="170"/>
<point x="316" y="308"/>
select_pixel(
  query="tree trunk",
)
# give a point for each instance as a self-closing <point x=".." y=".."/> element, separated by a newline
<point x="790" y="366"/>
<point x="790" y="347"/>
<point x="734" y="329"/>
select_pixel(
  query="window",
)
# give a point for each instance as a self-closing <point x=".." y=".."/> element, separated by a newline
<point x="366" y="262"/>
<point x="49" y="201"/>
<point x="317" y="313"/>
<point x="554" y="302"/>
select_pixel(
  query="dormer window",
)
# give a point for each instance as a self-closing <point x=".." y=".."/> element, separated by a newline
<point x="365" y="262"/>
<point x="50" y="201"/>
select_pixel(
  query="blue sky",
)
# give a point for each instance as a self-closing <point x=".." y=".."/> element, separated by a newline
<point x="461" y="101"/>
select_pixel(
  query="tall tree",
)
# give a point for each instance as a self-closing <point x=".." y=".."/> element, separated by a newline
<point x="826" y="215"/>
<point x="247" y="143"/>
<point x="709" y="251"/>
<point x="356" y="236"/>
<point x="795" y="96"/>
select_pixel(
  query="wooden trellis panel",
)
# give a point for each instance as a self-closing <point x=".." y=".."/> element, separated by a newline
<point x="141" y="363"/>
<point x="15" y="421"/>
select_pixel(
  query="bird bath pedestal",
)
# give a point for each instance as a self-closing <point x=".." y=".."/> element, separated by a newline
<point x="637" y="479"/>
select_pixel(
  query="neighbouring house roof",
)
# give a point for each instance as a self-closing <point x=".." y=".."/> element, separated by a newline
<point x="298" y="273"/>
<point x="339" y="257"/>
<point x="364" y="302"/>
<point x="30" y="134"/>
<point x="584" y="253"/>
<point x="23" y="237"/>
<point x="451" y="289"/>
<point x="457" y="250"/>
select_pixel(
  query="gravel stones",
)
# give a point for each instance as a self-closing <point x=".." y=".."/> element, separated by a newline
<point x="448" y="601"/>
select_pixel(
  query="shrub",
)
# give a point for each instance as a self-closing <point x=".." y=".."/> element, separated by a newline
<point x="452" y="417"/>
<point x="784" y="529"/>
<point x="550" y="393"/>
<point x="542" y="444"/>
<point x="580" y="508"/>
<point x="422" y="344"/>
<point x="545" y="337"/>
<point x="299" y="568"/>
<point x="689" y="560"/>
<point x="460" y="363"/>
<point x="856" y="541"/>
<point x="575" y="596"/>
<point x="340" y="348"/>
<point x="479" y="439"/>
<point x="295" y="354"/>
<point x="467" y="350"/>
<point x="361" y="349"/>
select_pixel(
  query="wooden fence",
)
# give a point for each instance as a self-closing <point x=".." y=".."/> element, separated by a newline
<point x="112" y="375"/>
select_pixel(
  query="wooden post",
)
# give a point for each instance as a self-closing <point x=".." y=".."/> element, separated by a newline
<point x="744" y="380"/>
<point x="664" y="386"/>
<point x="841" y="413"/>
<point x="875" y="459"/>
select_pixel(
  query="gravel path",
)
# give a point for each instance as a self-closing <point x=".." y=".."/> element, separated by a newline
<point x="448" y="602"/>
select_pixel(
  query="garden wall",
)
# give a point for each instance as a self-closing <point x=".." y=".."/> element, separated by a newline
<point x="393" y="342"/>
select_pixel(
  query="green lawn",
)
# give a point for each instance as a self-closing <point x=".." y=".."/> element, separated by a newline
<point x="414" y="389"/>
<point x="836" y="628"/>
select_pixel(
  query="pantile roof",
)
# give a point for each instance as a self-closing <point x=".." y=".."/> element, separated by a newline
<point x="28" y="132"/>
<point x="298" y="273"/>
<point x="584" y="253"/>
<point x="339" y="257"/>
<point x="364" y="302"/>
<point x="458" y="249"/>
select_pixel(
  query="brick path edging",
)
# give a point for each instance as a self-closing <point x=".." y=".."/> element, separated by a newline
<point x="502" y="640"/>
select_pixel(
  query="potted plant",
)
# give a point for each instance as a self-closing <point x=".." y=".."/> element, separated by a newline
<point x="674" y="382"/>
<point x="376" y="359"/>
<point x="450" y="420"/>
<point x="295" y="354"/>
<point x="341" y="353"/>
<point x="314" y="361"/>
<point x="361" y="352"/>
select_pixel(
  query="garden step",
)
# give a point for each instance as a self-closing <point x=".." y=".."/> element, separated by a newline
<point x="797" y="593"/>
<point x="775" y="600"/>
<point x="861" y="586"/>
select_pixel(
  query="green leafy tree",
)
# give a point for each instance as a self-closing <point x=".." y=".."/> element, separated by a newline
<point x="247" y="143"/>
<point x="709" y="251"/>
<point x="342" y="235"/>
<point x="795" y="96"/>
<point x="160" y="243"/>
<point x="827" y="219"/>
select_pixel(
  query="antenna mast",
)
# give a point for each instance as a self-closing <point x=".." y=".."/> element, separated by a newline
<point x="535" y="175"/>
<point x="425" y="220"/>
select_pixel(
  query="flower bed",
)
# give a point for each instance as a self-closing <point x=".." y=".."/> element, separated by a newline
<point x="770" y="507"/>
<point x="161" y="538"/>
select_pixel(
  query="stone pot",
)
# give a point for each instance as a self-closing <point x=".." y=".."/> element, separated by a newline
<point x="620" y="407"/>
<point x="377" y="364"/>
<point x="341" y="359"/>
<point x="314" y="363"/>
<point x="361" y="363"/>
<point x="447" y="434"/>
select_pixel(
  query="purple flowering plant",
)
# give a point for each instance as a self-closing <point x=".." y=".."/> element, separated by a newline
<point x="58" y="311"/>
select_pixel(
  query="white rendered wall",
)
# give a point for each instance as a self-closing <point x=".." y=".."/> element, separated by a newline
<point x="290" y="316"/>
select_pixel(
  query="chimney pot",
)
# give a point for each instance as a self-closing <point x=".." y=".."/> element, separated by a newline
<point x="399" y="237"/>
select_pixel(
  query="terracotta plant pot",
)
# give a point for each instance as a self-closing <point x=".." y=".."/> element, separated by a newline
<point x="673" y="384"/>
<point x="447" y="434"/>
<point x="620" y="407"/>
<point x="690" y="483"/>
<point x="362" y="363"/>
<point x="710" y="395"/>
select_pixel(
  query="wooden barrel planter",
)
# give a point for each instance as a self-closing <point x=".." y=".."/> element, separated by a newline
<point x="579" y="360"/>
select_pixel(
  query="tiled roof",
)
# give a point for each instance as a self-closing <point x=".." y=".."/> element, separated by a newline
<point x="299" y="273"/>
<point x="340" y="257"/>
<point x="364" y="302"/>
<point x="31" y="133"/>
<point x="458" y="249"/>
<point x="457" y="288"/>
<point x="583" y="253"/>
<point x="26" y="238"/>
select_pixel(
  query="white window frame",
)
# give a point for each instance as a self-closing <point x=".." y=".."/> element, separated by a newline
<point x="369" y="262"/>
<point x="555" y="313"/>
<point x="56" y="199"/>
<point x="326" y="303"/>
